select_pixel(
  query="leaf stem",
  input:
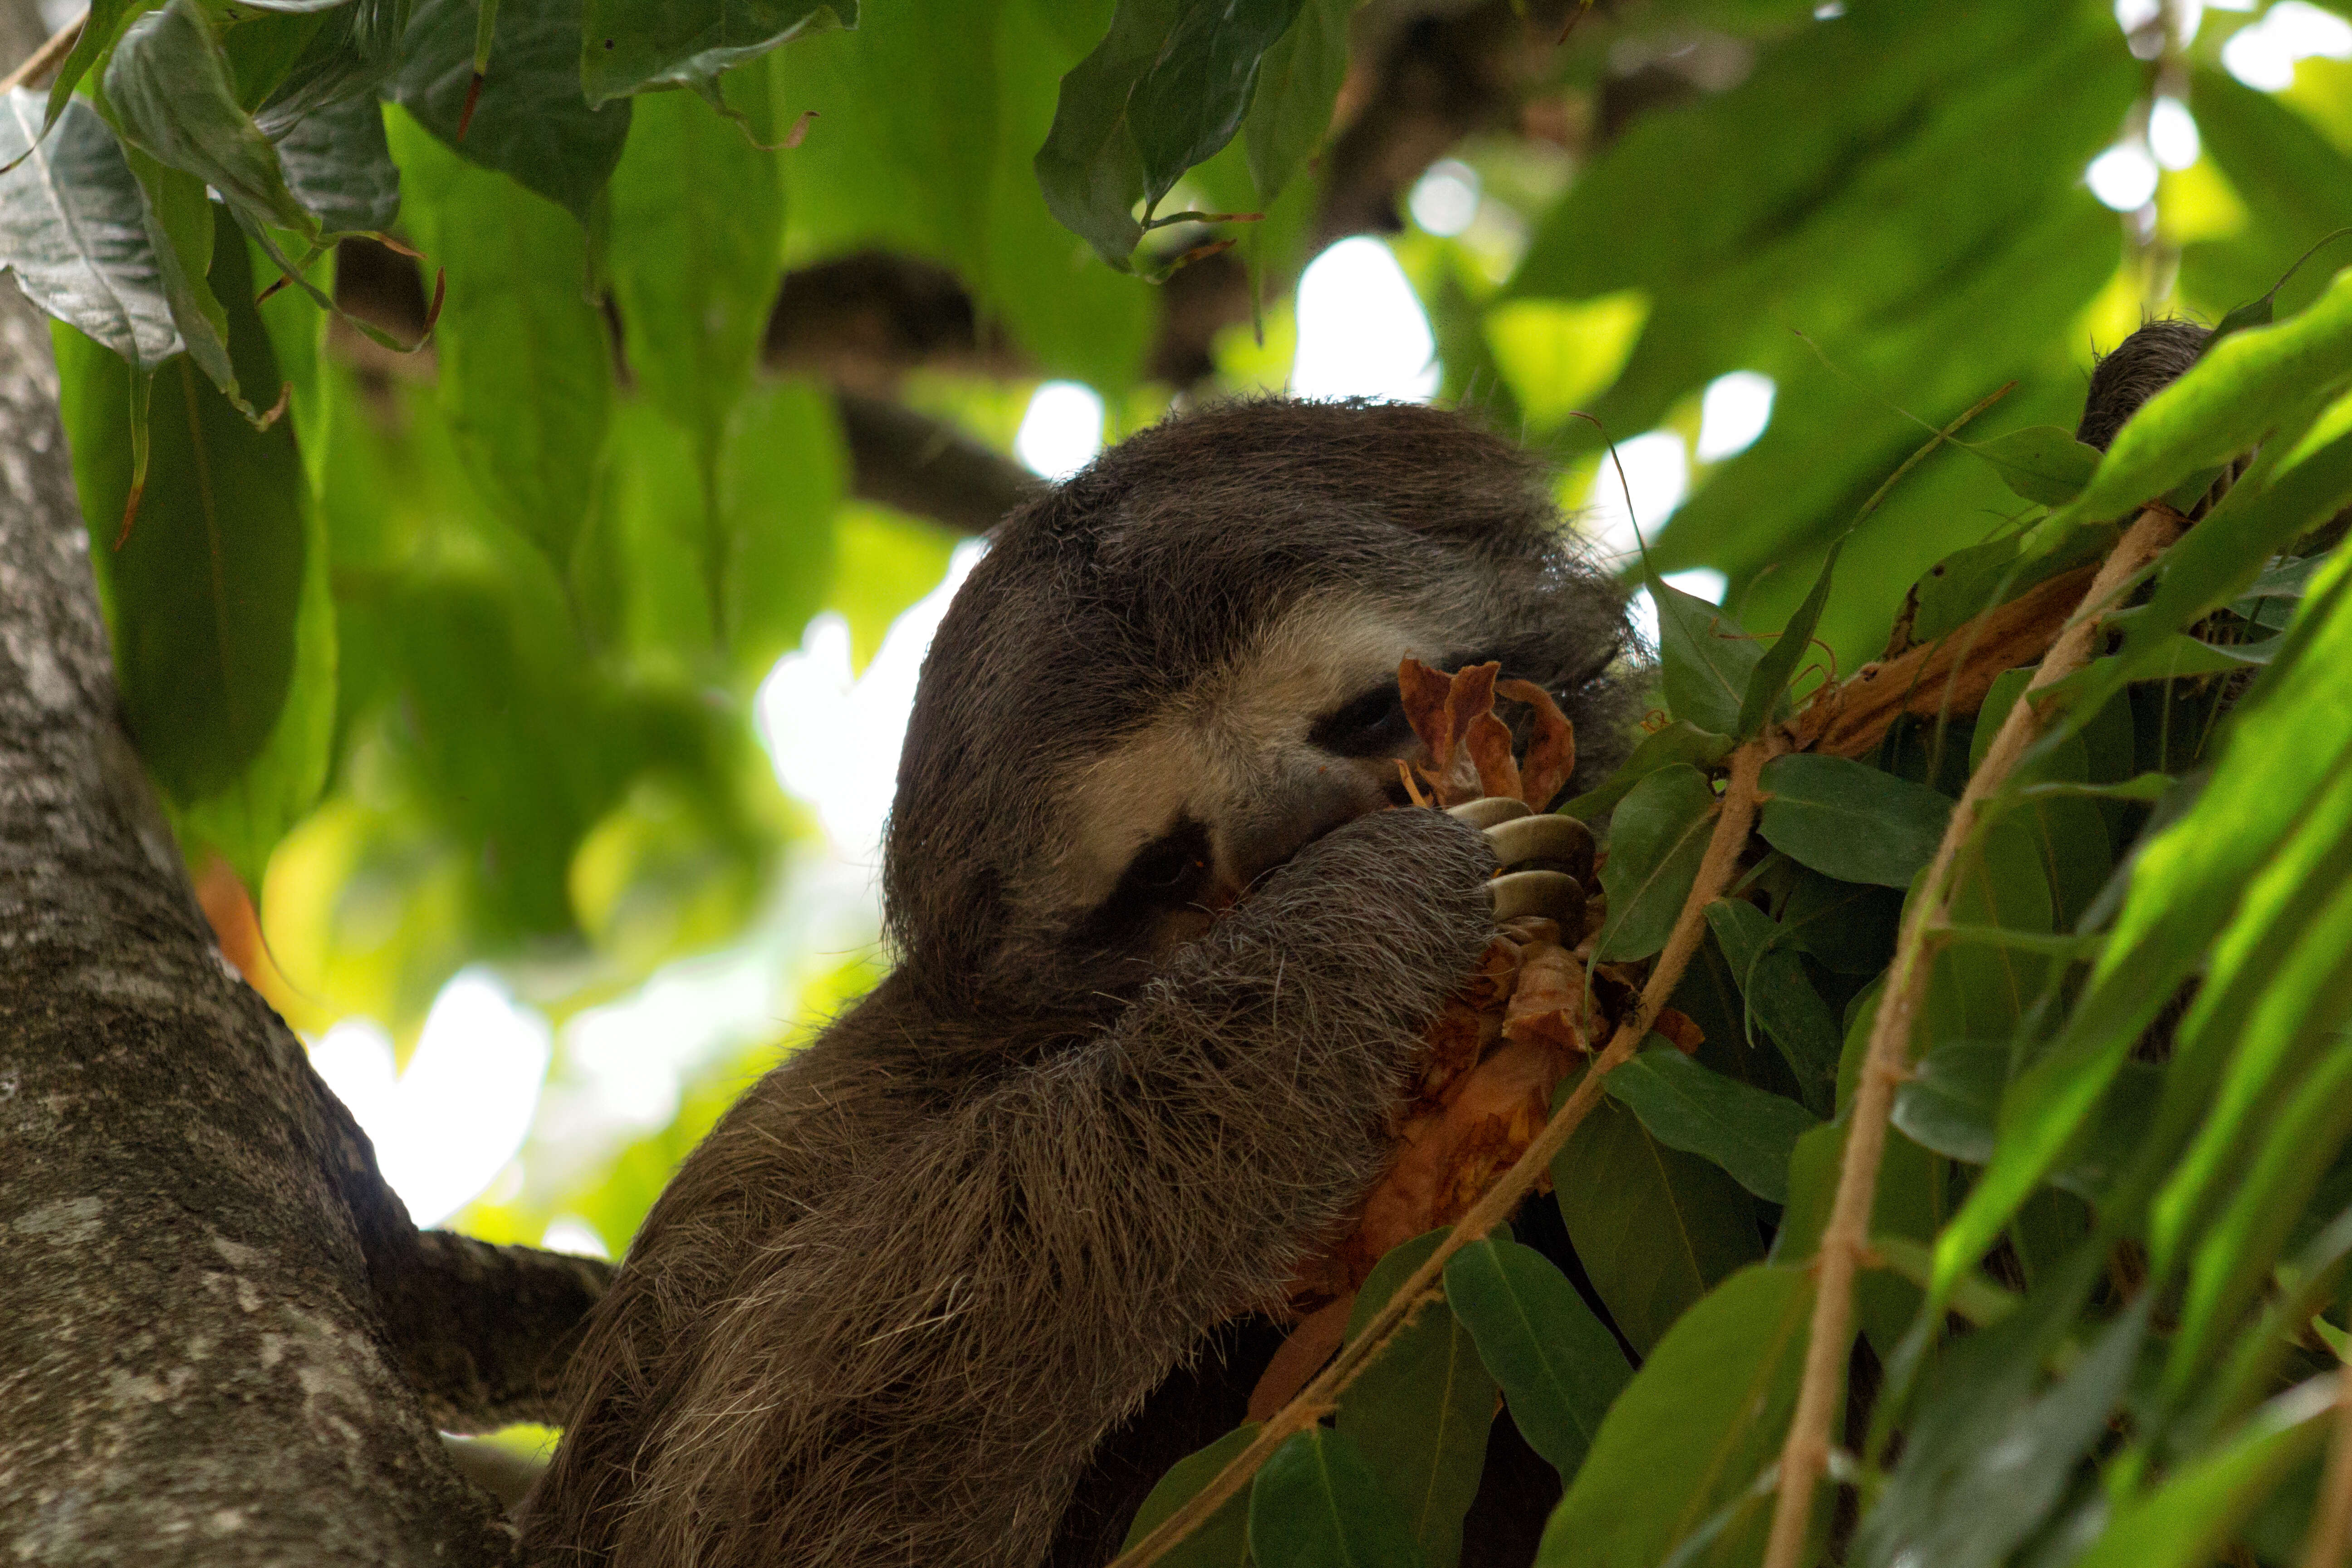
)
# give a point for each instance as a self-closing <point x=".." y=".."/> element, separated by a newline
<point x="2331" y="1520"/>
<point x="1844" y="1240"/>
<point x="1736" y="817"/>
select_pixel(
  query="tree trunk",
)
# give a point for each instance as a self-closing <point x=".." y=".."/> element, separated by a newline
<point x="221" y="1338"/>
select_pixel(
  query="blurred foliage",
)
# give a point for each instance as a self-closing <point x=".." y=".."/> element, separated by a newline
<point x="451" y="656"/>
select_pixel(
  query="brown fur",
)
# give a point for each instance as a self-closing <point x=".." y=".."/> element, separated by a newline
<point x="2142" y="366"/>
<point x="890" y="1309"/>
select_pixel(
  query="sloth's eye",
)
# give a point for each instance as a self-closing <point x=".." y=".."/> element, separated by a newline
<point x="1167" y="870"/>
<point x="1365" y="727"/>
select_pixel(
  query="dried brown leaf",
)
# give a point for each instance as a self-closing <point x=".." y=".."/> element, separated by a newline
<point x="1551" y="754"/>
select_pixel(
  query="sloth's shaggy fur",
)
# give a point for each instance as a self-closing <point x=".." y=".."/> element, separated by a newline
<point x="889" y="1311"/>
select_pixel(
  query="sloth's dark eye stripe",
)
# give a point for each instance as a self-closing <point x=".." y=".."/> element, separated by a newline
<point x="1165" y="874"/>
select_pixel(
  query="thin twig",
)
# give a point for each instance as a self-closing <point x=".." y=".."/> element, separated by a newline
<point x="1805" y="1455"/>
<point x="2331" y="1520"/>
<point x="1736" y="817"/>
<point x="47" y="57"/>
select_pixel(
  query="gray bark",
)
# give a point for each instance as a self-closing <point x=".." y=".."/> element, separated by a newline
<point x="221" y="1338"/>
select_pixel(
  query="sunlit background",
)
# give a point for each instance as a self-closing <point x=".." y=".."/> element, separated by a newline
<point x="524" y="1113"/>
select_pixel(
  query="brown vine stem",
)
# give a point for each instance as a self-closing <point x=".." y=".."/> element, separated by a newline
<point x="1805" y="1455"/>
<point x="2331" y="1522"/>
<point x="47" y="57"/>
<point x="1736" y="817"/>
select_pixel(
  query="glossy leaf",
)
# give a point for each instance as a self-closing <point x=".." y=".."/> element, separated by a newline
<point x="1297" y="84"/>
<point x="1704" y="1415"/>
<point x="1656" y="839"/>
<point x="1705" y="661"/>
<point x="1776" y="993"/>
<point x="339" y="165"/>
<point x="174" y="96"/>
<point x="206" y="597"/>
<point x="1560" y="1366"/>
<point x="1747" y="1131"/>
<point x="524" y="373"/>
<point x="1952" y="1100"/>
<point x="1317" y="1504"/>
<point x="1222" y="1541"/>
<point x="1653" y="1227"/>
<point x="2042" y="462"/>
<point x="532" y="121"/>
<point x="73" y="230"/>
<point x="1676" y="743"/>
<point x="1420" y="1412"/>
<point x="1089" y="167"/>
<point x="1769" y="681"/>
<point x="1850" y="822"/>
<point x="629" y="49"/>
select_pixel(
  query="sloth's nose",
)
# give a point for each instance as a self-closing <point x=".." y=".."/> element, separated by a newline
<point x="1291" y="815"/>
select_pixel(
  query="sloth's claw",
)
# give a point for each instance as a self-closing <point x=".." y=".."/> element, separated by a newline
<point x="1555" y="894"/>
<point x="1554" y="843"/>
<point x="1488" y="810"/>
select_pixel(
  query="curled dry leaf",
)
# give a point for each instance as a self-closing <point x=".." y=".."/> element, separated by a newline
<point x="1454" y="715"/>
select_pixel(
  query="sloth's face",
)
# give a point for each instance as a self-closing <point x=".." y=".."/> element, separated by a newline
<point x="1303" y="730"/>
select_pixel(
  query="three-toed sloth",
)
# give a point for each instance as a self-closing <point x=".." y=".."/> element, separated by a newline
<point x="951" y="1285"/>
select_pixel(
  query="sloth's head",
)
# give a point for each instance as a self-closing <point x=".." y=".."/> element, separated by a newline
<point x="1174" y="670"/>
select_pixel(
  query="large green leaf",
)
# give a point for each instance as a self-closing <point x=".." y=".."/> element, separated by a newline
<point x="206" y="597"/>
<point x="1850" y="822"/>
<point x="782" y="475"/>
<point x="1317" y="1504"/>
<point x="1656" y="839"/>
<point x="531" y="121"/>
<point x="73" y="229"/>
<point x="1706" y="662"/>
<point x="631" y="46"/>
<point x="172" y="95"/>
<point x="1653" y="1227"/>
<point x="1704" y="1415"/>
<point x="1775" y="992"/>
<point x="1675" y="742"/>
<point x="339" y="165"/>
<point x="1191" y="99"/>
<point x="1560" y="1366"/>
<point x="1223" y="1538"/>
<point x="1420" y="1412"/>
<point x="1297" y="86"/>
<point x="1746" y="1130"/>
<point x="525" y="369"/>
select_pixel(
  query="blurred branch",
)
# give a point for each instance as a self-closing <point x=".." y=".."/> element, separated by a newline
<point x="925" y="465"/>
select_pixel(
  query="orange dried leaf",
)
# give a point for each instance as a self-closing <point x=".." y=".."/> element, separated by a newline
<point x="1489" y="743"/>
<point x="1427" y="710"/>
<point x="1679" y="1027"/>
<point x="1551" y="755"/>
<point x="1551" y="1004"/>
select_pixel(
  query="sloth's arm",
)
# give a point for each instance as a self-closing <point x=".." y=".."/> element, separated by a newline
<point x="918" y="1369"/>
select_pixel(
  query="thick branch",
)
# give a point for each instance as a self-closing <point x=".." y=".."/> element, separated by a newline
<point x="922" y="466"/>
<point x="190" y="1356"/>
<point x="482" y="1332"/>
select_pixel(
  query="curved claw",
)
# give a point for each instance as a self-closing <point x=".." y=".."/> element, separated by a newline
<point x="1487" y="811"/>
<point x="1559" y="843"/>
<point x="1555" y="894"/>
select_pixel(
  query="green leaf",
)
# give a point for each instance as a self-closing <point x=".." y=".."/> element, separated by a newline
<point x="1705" y="1412"/>
<point x="1706" y="661"/>
<point x="1317" y="1504"/>
<point x="1190" y="101"/>
<point x="1656" y="839"/>
<point x="1851" y="822"/>
<point x="100" y="25"/>
<point x="1560" y="1366"/>
<point x="1746" y="1130"/>
<point x="525" y="372"/>
<point x="1223" y="1538"/>
<point x="205" y="598"/>
<point x="1089" y="168"/>
<point x="1422" y="1411"/>
<point x="629" y="46"/>
<point x="1775" y="992"/>
<point x="2042" y="462"/>
<point x="782" y="472"/>
<point x="1676" y="743"/>
<point x="172" y="94"/>
<point x="532" y="121"/>
<point x="1653" y="1227"/>
<point x="2186" y="887"/>
<point x="1298" y="86"/>
<point x="339" y="165"/>
<point x="73" y="229"/>
<point x="1848" y="926"/>
<point x="1951" y="1102"/>
<point x="2184" y="1521"/>
<point x="1769" y="681"/>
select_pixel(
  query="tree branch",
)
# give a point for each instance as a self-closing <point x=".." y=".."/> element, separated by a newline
<point x="192" y="1356"/>
<point x="1805" y="1455"/>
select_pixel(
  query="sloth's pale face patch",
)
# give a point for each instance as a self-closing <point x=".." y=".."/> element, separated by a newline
<point x="1239" y="771"/>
